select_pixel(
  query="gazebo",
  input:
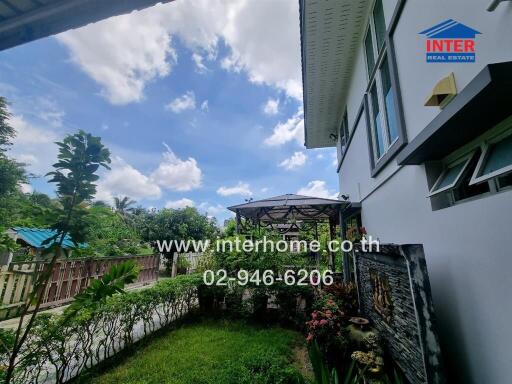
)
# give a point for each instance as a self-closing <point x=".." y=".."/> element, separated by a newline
<point x="292" y="209"/>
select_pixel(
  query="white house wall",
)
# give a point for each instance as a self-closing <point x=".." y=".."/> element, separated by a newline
<point x="467" y="246"/>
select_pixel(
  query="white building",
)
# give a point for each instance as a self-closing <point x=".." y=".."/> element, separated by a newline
<point x="425" y="150"/>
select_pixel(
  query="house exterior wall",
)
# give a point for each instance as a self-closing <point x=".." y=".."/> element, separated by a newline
<point x="466" y="245"/>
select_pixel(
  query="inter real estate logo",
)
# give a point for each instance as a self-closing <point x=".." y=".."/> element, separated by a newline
<point x="449" y="42"/>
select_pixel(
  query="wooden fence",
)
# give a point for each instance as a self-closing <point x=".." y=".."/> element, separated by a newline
<point x="69" y="277"/>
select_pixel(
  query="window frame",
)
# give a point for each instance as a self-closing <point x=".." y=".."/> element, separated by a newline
<point x="383" y="56"/>
<point x="464" y="159"/>
<point x="477" y="177"/>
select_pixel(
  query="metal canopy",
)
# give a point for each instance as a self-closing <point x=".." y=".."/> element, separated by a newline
<point x="290" y="208"/>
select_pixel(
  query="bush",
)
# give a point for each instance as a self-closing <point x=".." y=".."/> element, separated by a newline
<point x="67" y="345"/>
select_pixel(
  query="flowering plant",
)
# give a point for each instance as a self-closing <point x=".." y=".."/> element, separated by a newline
<point x="327" y="326"/>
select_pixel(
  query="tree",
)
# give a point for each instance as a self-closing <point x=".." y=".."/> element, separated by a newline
<point x="12" y="173"/>
<point x="123" y="206"/>
<point x="80" y="156"/>
<point x="111" y="235"/>
<point x="7" y="132"/>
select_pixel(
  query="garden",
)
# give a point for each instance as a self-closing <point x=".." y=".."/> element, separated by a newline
<point x="179" y="330"/>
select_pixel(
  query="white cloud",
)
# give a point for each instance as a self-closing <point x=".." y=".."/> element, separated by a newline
<point x="264" y="190"/>
<point x="125" y="180"/>
<point x="26" y="188"/>
<point x="270" y="55"/>
<point x="212" y="210"/>
<point x="198" y="61"/>
<point x="176" y="174"/>
<point x="183" y="103"/>
<point x="320" y="156"/>
<point x="204" y="106"/>
<point x="33" y="146"/>
<point x="271" y="107"/>
<point x="50" y="112"/>
<point x="291" y="129"/>
<point x="297" y="160"/>
<point x="317" y="188"/>
<point x="179" y="204"/>
<point x="239" y="189"/>
<point x="124" y="53"/>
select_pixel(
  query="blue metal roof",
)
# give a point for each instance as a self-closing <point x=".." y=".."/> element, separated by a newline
<point x="36" y="236"/>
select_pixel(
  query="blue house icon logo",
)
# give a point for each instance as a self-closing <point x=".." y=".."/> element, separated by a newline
<point x="450" y="41"/>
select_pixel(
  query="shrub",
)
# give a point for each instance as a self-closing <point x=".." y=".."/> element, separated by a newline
<point x="64" y="346"/>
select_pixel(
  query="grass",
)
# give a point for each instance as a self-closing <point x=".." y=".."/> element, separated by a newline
<point x="220" y="352"/>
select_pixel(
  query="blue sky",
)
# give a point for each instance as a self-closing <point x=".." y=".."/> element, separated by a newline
<point x="199" y="102"/>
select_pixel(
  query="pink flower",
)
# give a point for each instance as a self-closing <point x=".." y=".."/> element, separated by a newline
<point x="314" y="315"/>
<point x="309" y="338"/>
<point x="323" y="322"/>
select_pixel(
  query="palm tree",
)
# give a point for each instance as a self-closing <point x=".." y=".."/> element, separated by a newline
<point x="123" y="206"/>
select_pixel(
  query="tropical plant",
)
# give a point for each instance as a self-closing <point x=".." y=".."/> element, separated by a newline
<point x="12" y="173"/>
<point x="80" y="156"/>
<point x="7" y="132"/>
<point x="322" y="373"/>
<point x="123" y="206"/>
<point x="100" y="289"/>
<point x="110" y="235"/>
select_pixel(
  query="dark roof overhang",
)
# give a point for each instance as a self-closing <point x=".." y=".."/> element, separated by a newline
<point x="24" y="21"/>
<point x="481" y="105"/>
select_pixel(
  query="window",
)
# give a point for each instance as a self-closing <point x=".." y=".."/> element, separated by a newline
<point x="389" y="102"/>
<point x="450" y="176"/>
<point x="344" y="136"/>
<point x="368" y="46"/>
<point x="482" y="167"/>
<point x="496" y="159"/>
<point x="378" y="133"/>
<point x="384" y="128"/>
<point x="379" y="24"/>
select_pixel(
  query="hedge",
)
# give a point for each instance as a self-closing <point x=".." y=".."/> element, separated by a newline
<point x="60" y="348"/>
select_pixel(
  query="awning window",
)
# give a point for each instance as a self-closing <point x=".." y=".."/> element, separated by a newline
<point x="451" y="175"/>
<point x="496" y="159"/>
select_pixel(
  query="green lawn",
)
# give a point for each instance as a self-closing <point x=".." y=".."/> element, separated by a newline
<point x="221" y="352"/>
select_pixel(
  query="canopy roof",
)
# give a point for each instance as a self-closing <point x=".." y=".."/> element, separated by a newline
<point x="36" y="236"/>
<point x="290" y="208"/>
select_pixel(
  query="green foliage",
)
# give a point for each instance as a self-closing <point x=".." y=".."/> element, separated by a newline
<point x="77" y="339"/>
<point x="325" y="376"/>
<point x="123" y="206"/>
<point x="212" y="352"/>
<point x="100" y="289"/>
<point x="7" y="132"/>
<point x="108" y="234"/>
<point x="173" y="224"/>
<point x="11" y="172"/>
<point x="80" y="156"/>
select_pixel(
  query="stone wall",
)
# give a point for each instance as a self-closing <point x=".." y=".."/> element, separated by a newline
<point x="394" y="293"/>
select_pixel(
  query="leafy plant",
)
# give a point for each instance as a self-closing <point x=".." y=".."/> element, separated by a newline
<point x="100" y="289"/>
<point x="80" y="156"/>
<point x="322" y="373"/>
<point x="123" y="206"/>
